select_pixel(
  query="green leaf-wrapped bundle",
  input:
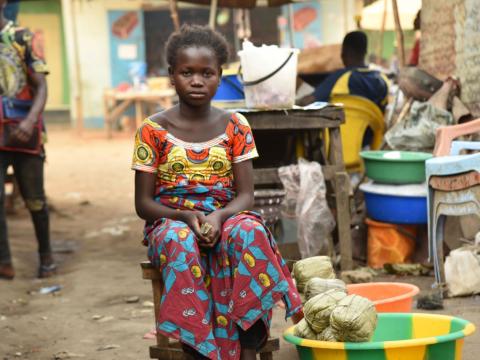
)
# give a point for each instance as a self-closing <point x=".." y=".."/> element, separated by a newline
<point x="303" y="330"/>
<point x="317" y="286"/>
<point x="317" y="310"/>
<point x="327" y="335"/>
<point x="354" y="319"/>
<point x="316" y="266"/>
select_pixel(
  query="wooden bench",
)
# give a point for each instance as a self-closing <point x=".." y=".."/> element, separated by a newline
<point x="171" y="350"/>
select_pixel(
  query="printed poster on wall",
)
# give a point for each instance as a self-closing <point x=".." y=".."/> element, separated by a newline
<point x="307" y="30"/>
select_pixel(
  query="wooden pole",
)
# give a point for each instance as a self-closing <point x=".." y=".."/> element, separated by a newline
<point x="291" y="37"/>
<point x="248" y="24"/>
<point x="78" y="72"/>
<point x="345" y="16"/>
<point x="213" y="14"/>
<point x="399" y="33"/>
<point x="382" y="31"/>
<point x="235" y="22"/>
<point x="174" y="14"/>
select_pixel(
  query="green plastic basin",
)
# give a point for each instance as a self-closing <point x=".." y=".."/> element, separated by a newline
<point x="395" y="167"/>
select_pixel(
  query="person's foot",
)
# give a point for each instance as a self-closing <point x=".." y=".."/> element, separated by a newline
<point x="47" y="267"/>
<point x="7" y="271"/>
<point x="248" y="354"/>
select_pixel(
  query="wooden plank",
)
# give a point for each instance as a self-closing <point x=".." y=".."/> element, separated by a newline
<point x="175" y="352"/>
<point x="342" y="191"/>
<point x="267" y="176"/>
<point x="157" y="287"/>
<point x="328" y="117"/>
<point x="149" y="272"/>
<point x="166" y="353"/>
<point x="335" y="152"/>
<point x="146" y="265"/>
<point x="272" y="344"/>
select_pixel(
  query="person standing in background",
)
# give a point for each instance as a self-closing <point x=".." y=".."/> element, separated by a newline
<point x="415" y="55"/>
<point x="11" y="10"/>
<point x="23" y="93"/>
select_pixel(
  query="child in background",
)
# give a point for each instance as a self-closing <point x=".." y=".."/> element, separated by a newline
<point x="221" y="267"/>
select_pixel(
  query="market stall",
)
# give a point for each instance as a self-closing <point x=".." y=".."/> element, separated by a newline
<point x="117" y="102"/>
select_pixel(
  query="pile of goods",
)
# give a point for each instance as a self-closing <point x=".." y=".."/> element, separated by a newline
<point x="331" y="314"/>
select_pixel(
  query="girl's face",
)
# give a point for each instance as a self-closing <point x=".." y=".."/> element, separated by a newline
<point x="196" y="75"/>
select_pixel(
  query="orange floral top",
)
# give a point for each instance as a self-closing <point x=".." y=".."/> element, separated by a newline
<point x="185" y="170"/>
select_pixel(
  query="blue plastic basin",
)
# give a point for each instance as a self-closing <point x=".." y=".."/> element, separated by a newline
<point x="230" y="89"/>
<point x="396" y="204"/>
<point x="396" y="209"/>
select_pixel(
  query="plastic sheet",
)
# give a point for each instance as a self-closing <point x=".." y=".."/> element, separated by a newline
<point x="462" y="271"/>
<point x="305" y="200"/>
<point x="417" y="131"/>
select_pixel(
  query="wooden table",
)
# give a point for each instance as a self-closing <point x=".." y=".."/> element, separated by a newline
<point x="117" y="102"/>
<point x="327" y="119"/>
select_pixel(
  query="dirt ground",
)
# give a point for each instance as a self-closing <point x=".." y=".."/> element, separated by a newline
<point x="96" y="236"/>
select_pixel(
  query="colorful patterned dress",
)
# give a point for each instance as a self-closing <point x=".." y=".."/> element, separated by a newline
<point x="208" y="293"/>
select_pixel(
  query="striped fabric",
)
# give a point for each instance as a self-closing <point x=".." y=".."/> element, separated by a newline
<point x="397" y="337"/>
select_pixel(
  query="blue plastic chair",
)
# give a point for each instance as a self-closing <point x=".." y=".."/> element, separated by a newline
<point x="464" y="199"/>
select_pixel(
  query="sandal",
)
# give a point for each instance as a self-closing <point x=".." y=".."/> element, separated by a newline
<point x="7" y="272"/>
<point x="45" y="271"/>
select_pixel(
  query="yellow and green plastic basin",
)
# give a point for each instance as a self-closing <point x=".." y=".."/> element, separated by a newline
<point x="398" y="336"/>
<point x="395" y="167"/>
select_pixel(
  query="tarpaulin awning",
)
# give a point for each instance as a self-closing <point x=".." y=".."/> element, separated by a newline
<point x="241" y="4"/>
<point x="372" y="14"/>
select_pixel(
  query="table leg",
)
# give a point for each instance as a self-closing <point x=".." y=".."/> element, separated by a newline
<point x="112" y="113"/>
<point x="138" y="113"/>
<point x="106" y="116"/>
<point x="342" y="198"/>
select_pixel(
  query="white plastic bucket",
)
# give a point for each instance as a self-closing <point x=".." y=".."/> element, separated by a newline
<point x="269" y="76"/>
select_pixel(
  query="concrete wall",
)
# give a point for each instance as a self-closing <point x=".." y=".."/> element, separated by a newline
<point x="338" y="18"/>
<point x="95" y="63"/>
<point x="90" y="64"/>
<point x="45" y="19"/>
<point x="450" y="45"/>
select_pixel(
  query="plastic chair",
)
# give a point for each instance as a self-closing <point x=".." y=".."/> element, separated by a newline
<point x="453" y="188"/>
<point x="360" y="114"/>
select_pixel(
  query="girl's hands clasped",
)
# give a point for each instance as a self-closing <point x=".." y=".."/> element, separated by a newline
<point x="194" y="219"/>
<point x="214" y="228"/>
<point x="207" y="229"/>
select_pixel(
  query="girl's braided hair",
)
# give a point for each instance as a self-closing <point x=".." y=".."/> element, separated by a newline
<point x="196" y="36"/>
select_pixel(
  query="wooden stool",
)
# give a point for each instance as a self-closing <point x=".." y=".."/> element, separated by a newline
<point x="172" y="350"/>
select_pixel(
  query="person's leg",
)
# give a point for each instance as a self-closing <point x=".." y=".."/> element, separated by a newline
<point x="260" y="279"/>
<point x="6" y="268"/>
<point x="191" y="354"/>
<point x="252" y="339"/>
<point x="185" y="311"/>
<point x="29" y="174"/>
